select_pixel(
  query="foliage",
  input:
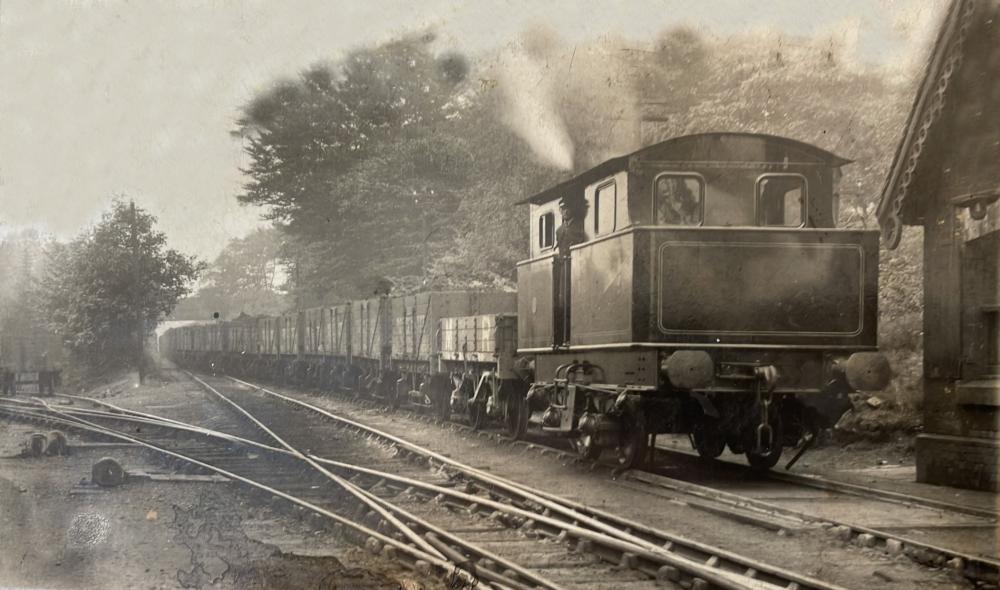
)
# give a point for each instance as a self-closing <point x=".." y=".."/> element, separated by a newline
<point x="401" y="163"/>
<point x="246" y="277"/>
<point x="97" y="289"/>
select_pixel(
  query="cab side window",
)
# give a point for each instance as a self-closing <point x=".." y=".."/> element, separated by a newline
<point x="678" y="199"/>
<point x="546" y="231"/>
<point x="781" y="200"/>
<point x="604" y="209"/>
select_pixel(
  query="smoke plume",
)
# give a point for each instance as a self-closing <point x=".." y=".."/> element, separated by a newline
<point x="530" y="107"/>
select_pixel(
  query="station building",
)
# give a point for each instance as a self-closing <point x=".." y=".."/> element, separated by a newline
<point x="946" y="178"/>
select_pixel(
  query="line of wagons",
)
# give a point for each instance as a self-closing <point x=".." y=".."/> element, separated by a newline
<point x="706" y="291"/>
<point x="436" y="349"/>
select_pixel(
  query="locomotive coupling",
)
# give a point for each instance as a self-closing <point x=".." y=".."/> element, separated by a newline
<point x="689" y="369"/>
<point x="865" y="371"/>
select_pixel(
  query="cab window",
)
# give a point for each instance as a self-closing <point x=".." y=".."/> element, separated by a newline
<point x="781" y="200"/>
<point x="678" y="199"/>
<point x="546" y="231"/>
<point x="604" y="209"/>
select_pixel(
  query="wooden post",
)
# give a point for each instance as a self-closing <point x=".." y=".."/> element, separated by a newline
<point x="137" y="296"/>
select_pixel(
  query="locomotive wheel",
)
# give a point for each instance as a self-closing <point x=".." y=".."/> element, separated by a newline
<point x="632" y="445"/>
<point x="586" y="448"/>
<point x="708" y="440"/>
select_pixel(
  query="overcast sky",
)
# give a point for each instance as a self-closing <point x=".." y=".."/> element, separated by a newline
<point x="138" y="98"/>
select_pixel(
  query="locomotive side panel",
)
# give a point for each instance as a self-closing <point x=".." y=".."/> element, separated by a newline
<point x="535" y="286"/>
<point x="602" y="286"/>
<point x="742" y="286"/>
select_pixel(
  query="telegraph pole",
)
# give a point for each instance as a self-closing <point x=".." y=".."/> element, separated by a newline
<point x="137" y="295"/>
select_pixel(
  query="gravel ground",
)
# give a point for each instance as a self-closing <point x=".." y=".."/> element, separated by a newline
<point x="151" y="535"/>
<point x="809" y="551"/>
<point x="812" y="552"/>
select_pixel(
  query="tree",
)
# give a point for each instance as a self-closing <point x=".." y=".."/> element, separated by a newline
<point x="359" y="164"/>
<point x="248" y="276"/>
<point x="105" y="290"/>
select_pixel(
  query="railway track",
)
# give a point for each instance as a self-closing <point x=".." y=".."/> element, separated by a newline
<point x="930" y="532"/>
<point x="483" y="528"/>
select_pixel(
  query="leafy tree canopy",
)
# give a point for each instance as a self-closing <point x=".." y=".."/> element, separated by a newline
<point x="248" y="277"/>
<point x="112" y="280"/>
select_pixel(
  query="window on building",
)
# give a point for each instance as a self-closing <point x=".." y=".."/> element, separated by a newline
<point x="678" y="199"/>
<point x="546" y="230"/>
<point x="604" y="209"/>
<point x="781" y="200"/>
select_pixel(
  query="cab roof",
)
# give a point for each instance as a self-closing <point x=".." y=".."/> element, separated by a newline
<point x="701" y="147"/>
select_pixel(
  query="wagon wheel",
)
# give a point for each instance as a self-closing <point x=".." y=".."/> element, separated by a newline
<point x="632" y="443"/>
<point x="708" y="438"/>
<point x="516" y="412"/>
<point x="475" y="410"/>
<point x="477" y="414"/>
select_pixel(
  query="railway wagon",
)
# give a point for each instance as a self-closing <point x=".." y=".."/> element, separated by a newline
<point x="417" y="346"/>
<point x="699" y="286"/>
<point x="239" y="348"/>
<point x="31" y="356"/>
<point x="479" y="354"/>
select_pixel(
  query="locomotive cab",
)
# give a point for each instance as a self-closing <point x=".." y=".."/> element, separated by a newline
<point x="712" y="295"/>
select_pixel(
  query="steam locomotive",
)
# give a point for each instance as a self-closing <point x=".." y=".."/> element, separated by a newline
<point x="697" y="286"/>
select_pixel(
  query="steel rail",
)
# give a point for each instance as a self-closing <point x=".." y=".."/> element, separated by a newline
<point x="442" y="564"/>
<point x="572" y="512"/>
<point x="347" y="486"/>
<point x="973" y="566"/>
<point x="468" y="500"/>
<point x="536" y="519"/>
<point x="824" y="483"/>
<point x="384" y="508"/>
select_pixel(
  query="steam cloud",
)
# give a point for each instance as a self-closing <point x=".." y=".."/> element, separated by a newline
<point x="531" y="110"/>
